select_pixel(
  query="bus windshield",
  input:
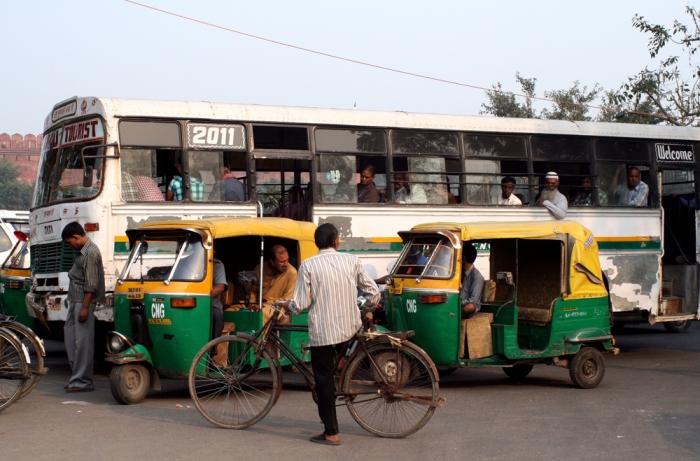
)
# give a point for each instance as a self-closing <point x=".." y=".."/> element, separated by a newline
<point x="69" y="171"/>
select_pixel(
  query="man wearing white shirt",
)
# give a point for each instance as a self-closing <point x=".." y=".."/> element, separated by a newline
<point x="551" y="198"/>
<point x="507" y="196"/>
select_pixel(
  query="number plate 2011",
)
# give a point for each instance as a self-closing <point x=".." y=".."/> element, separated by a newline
<point x="215" y="136"/>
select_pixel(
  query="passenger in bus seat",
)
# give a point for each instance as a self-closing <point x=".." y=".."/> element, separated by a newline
<point x="551" y="198"/>
<point x="584" y="197"/>
<point x="148" y="190"/>
<point x="176" y="188"/>
<point x="367" y="191"/>
<point x="507" y="196"/>
<point x="228" y="188"/>
<point x="635" y="192"/>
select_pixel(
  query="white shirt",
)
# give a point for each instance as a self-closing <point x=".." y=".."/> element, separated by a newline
<point x="511" y="200"/>
<point x="327" y="286"/>
<point x="558" y="206"/>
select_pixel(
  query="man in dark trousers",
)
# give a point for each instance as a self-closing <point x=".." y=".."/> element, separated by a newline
<point x="86" y="288"/>
<point x="327" y="285"/>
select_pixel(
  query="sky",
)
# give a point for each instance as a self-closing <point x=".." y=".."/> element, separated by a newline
<point x="52" y="50"/>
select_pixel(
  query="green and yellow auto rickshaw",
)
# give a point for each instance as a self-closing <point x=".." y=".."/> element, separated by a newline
<point x="162" y="307"/>
<point x="15" y="282"/>
<point x="544" y="299"/>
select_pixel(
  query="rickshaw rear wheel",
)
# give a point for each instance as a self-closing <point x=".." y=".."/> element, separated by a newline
<point x="129" y="383"/>
<point x="587" y="368"/>
<point x="518" y="372"/>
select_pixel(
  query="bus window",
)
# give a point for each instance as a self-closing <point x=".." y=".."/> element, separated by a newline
<point x="484" y="171"/>
<point x="138" y="176"/>
<point x="282" y="186"/>
<point x="428" y="172"/>
<point x="617" y="161"/>
<point x="569" y="157"/>
<point x="280" y="137"/>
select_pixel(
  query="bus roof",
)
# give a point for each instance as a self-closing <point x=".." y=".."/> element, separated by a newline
<point x="501" y="230"/>
<point x="221" y="227"/>
<point x="113" y="107"/>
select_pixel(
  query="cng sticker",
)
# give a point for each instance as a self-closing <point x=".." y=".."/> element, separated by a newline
<point x="411" y="306"/>
<point x="157" y="310"/>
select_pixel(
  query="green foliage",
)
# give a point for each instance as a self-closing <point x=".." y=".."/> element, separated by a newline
<point x="572" y="104"/>
<point x="14" y="194"/>
<point x="671" y="89"/>
<point x="505" y="104"/>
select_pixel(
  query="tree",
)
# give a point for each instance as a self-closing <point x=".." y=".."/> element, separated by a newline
<point x="572" y="104"/>
<point x="671" y="89"/>
<point x="505" y="104"/>
<point x="16" y="195"/>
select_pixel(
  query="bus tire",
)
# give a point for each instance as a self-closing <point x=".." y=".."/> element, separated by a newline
<point x="680" y="326"/>
<point x="129" y="383"/>
<point x="587" y="368"/>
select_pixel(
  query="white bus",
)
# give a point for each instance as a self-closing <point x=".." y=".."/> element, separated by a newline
<point x="109" y="164"/>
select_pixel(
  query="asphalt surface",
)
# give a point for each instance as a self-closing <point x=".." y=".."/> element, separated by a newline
<point x="647" y="407"/>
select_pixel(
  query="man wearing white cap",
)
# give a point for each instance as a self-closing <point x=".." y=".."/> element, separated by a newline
<point x="551" y="198"/>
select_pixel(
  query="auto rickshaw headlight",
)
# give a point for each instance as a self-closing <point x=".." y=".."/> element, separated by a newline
<point x="117" y="342"/>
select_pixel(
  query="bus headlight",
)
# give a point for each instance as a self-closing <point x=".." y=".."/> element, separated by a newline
<point x="117" y="342"/>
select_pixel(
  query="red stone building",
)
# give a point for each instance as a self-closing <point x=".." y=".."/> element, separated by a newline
<point x="23" y="152"/>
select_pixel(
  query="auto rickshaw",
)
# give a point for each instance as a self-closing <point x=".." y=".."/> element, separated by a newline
<point x="162" y="304"/>
<point x="15" y="281"/>
<point x="544" y="301"/>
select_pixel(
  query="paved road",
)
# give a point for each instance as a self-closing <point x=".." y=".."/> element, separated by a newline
<point x="648" y="407"/>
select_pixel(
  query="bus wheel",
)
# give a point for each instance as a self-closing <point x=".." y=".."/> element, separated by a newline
<point x="129" y="383"/>
<point x="446" y="371"/>
<point x="587" y="368"/>
<point x="518" y="372"/>
<point x="680" y="326"/>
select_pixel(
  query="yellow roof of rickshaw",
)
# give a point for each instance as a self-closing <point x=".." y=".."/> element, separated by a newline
<point x="222" y="227"/>
<point x="502" y="230"/>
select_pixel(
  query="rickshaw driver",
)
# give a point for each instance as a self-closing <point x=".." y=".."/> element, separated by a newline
<point x="217" y="307"/>
<point x="472" y="283"/>
<point x="279" y="278"/>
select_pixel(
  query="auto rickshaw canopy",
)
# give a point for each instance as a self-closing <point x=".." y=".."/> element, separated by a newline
<point x="585" y="278"/>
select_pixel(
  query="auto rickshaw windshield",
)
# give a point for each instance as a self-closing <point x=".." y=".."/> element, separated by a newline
<point x="426" y="256"/>
<point x="162" y="258"/>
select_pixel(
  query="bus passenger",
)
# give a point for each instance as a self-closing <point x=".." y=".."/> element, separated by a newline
<point x="367" y="191"/>
<point x="472" y="283"/>
<point x="636" y="192"/>
<point x="507" y="196"/>
<point x="279" y="278"/>
<point x="176" y="188"/>
<point x="584" y="197"/>
<point x="228" y="188"/>
<point x="551" y="198"/>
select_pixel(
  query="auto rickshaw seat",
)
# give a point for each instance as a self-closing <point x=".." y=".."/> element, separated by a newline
<point x="536" y="315"/>
<point x="227" y="297"/>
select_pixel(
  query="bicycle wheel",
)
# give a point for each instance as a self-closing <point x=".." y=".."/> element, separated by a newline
<point x="391" y="391"/>
<point x="233" y="382"/>
<point x="36" y="353"/>
<point x="14" y="370"/>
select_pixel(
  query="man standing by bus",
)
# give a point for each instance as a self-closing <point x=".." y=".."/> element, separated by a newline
<point x="327" y="286"/>
<point x="86" y="288"/>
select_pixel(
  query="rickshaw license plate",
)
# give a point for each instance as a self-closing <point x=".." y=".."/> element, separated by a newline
<point x="135" y="293"/>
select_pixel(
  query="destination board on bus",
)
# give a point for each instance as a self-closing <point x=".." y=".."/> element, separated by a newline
<point x="215" y="136"/>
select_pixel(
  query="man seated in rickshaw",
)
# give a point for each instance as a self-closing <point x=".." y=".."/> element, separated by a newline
<point x="472" y="283"/>
<point x="217" y="306"/>
<point x="279" y="278"/>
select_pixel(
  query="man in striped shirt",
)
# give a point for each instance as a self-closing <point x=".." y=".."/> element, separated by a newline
<point x="327" y="285"/>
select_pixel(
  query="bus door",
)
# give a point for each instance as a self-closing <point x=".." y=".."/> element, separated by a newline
<point x="282" y="186"/>
<point x="680" y="242"/>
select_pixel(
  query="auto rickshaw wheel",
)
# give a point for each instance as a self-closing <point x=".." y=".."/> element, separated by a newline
<point x="129" y="383"/>
<point x="518" y="372"/>
<point x="680" y="326"/>
<point x="587" y="368"/>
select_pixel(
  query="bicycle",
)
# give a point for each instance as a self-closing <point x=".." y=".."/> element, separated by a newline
<point x="390" y="385"/>
<point x="14" y="368"/>
<point x="35" y="351"/>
